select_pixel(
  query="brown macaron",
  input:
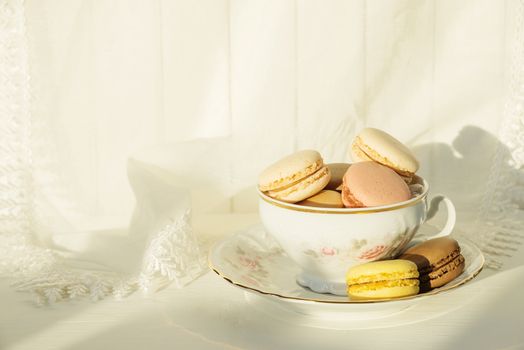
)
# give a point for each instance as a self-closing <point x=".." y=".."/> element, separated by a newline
<point x="337" y="171"/>
<point x="438" y="260"/>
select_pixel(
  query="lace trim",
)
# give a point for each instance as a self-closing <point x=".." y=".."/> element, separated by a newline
<point x="165" y="259"/>
<point x="172" y="254"/>
<point x="501" y="214"/>
<point x="16" y="210"/>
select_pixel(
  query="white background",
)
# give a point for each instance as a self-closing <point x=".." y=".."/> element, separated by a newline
<point x="113" y="78"/>
<point x="212" y="91"/>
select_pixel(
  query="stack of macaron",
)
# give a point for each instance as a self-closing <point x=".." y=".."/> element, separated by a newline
<point x="438" y="261"/>
<point x="421" y="268"/>
<point x="383" y="173"/>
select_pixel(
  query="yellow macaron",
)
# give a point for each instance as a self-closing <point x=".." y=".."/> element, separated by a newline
<point x="383" y="280"/>
<point x="295" y="177"/>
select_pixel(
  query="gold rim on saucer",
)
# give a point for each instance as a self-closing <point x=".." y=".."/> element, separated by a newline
<point x="348" y="301"/>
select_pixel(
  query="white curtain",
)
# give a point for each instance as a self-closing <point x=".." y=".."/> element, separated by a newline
<point x="143" y="113"/>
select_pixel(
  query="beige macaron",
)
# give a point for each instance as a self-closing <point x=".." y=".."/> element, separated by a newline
<point x="296" y="177"/>
<point x="379" y="146"/>
<point x="324" y="199"/>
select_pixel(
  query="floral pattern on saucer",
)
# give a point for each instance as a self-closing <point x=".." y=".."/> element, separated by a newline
<point x="253" y="260"/>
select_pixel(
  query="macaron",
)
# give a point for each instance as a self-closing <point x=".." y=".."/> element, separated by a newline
<point x="383" y="279"/>
<point x="379" y="146"/>
<point x="296" y="177"/>
<point x="438" y="261"/>
<point x="337" y="171"/>
<point x="369" y="184"/>
<point x="324" y="199"/>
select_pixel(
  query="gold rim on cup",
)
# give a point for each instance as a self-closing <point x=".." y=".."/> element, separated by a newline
<point x="318" y="210"/>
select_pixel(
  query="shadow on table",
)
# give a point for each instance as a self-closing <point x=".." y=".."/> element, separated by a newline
<point x="22" y="321"/>
<point x="460" y="171"/>
<point x="496" y="322"/>
<point x="213" y="314"/>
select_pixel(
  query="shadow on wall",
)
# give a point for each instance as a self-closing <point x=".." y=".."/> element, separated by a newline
<point x="461" y="171"/>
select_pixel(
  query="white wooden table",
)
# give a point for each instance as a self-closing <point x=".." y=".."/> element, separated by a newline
<point x="486" y="313"/>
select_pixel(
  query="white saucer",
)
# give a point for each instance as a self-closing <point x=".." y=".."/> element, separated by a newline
<point x="254" y="261"/>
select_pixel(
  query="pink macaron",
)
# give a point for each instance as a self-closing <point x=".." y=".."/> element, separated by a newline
<point x="369" y="184"/>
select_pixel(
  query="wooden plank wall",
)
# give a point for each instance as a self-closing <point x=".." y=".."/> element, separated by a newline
<point x="274" y="75"/>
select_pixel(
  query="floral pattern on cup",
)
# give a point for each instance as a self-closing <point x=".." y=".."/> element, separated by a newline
<point x="373" y="253"/>
<point x="358" y="250"/>
<point x="328" y="251"/>
<point x="321" y="253"/>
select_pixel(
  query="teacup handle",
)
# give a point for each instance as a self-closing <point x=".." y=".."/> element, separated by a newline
<point x="452" y="215"/>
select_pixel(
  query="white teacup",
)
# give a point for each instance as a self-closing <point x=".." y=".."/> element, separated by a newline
<point x="325" y="242"/>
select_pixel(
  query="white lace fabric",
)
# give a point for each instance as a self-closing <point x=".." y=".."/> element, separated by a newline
<point x="170" y="252"/>
<point x="159" y="246"/>
<point x="498" y="229"/>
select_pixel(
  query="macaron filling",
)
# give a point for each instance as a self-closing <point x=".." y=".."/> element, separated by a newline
<point x="425" y="266"/>
<point x="383" y="148"/>
<point x="349" y="200"/>
<point x="358" y="154"/>
<point x="292" y="187"/>
<point x="383" y="277"/>
<point x="411" y="282"/>
<point x="447" y="268"/>
<point x="367" y="152"/>
<point x="291" y="180"/>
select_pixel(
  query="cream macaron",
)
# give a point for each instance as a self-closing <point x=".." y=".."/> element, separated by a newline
<point x="296" y="177"/>
<point x="379" y="146"/>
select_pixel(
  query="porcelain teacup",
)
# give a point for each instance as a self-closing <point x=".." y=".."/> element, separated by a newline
<point x="325" y="242"/>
